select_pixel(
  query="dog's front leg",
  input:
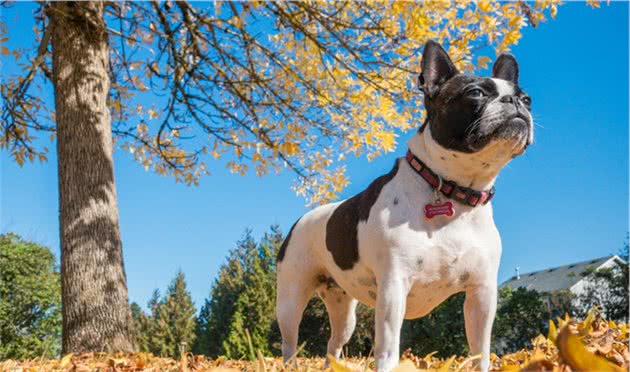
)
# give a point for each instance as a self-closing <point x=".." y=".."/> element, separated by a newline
<point x="479" y="311"/>
<point x="390" y="312"/>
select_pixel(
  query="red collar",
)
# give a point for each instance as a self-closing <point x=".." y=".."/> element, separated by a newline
<point x="450" y="189"/>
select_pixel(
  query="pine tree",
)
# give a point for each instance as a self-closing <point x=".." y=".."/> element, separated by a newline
<point x="254" y="310"/>
<point x="217" y="313"/>
<point x="175" y="319"/>
<point x="153" y="334"/>
<point x="140" y="324"/>
<point x="169" y="328"/>
<point x="203" y="342"/>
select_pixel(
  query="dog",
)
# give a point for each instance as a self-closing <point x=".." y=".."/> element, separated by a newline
<point x="422" y="232"/>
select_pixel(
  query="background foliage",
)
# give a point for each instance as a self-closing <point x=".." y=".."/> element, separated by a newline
<point x="169" y="328"/>
<point x="242" y="298"/>
<point x="30" y="300"/>
<point x="608" y="289"/>
<point x="239" y="313"/>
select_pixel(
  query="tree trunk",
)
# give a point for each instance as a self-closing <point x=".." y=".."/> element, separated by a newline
<point x="96" y="314"/>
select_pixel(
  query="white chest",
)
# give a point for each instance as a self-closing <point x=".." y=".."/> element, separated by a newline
<point x="435" y="258"/>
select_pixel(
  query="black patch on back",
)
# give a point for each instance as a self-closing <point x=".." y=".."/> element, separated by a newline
<point x="285" y="243"/>
<point x="341" y="229"/>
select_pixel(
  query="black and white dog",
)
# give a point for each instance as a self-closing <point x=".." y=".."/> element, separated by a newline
<point x="422" y="232"/>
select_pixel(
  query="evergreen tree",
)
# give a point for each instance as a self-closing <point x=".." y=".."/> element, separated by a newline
<point x="254" y="310"/>
<point x="169" y="328"/>
<point x="202" y="345"/>
<point x="175" y="320"/>
<point x="140" y="323"/>
<point x="154" y="334"/>
<point x="154" y="339"/>
<point x="30" y="300"/>
<point x="217" y="312"/>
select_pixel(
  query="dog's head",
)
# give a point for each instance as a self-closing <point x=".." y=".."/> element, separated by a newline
<point x="468" y="113"/>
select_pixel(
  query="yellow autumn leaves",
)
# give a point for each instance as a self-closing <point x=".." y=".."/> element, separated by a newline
<point x="268" y="86"/>
<point x="592" y="344"/>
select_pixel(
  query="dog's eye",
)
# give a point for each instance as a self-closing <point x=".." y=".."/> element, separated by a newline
<point x="526" y="100"/>
<point x="477" y="93"/>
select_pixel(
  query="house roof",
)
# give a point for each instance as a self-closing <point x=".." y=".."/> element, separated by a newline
<point x="556" y="278"/>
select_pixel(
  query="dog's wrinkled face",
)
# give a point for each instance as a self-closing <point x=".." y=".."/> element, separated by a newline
<point x="466" y="113"/>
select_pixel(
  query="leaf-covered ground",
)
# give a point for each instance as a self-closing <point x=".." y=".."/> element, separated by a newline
<point x="593" y="344"/>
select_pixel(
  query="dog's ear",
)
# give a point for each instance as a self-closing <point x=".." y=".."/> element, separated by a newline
<point x="506" y="68"/>
<point x="437" y="68"/>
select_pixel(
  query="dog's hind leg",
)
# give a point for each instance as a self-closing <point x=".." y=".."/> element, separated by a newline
<point x="295" y="288"/>
<point x="342" y="316"/>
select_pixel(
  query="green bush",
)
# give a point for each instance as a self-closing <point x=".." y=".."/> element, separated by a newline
<point x="30" y="300"/>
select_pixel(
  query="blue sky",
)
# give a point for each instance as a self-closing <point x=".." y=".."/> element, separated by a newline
<point x="565" y="200"/>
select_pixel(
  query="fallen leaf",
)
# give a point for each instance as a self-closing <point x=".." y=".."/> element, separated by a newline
<point x="65" y="361"/>
<point x="336" y="366"/>
<point x="553" y="332"/>
<point x="575" y="354"/>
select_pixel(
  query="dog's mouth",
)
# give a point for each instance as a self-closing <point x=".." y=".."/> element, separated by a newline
<point x="515" y="129"/>
<point x="518" y="121"/>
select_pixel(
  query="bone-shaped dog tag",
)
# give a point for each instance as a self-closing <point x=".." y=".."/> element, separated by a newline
<point x="438" y="208"/>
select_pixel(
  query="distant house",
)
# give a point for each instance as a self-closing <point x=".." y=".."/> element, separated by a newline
<point x="559" y="286"/>
<point x="555" y="279"/>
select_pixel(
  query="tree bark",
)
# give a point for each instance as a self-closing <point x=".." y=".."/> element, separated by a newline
<point x="95" y="307"/>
